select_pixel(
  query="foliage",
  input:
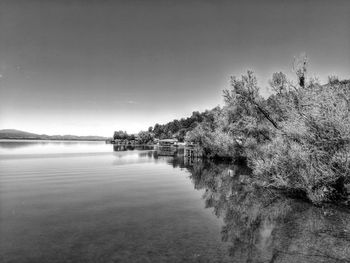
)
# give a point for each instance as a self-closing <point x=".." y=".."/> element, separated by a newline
<point x="120" y="135"/>
<point x="300" y="68"/>
<point x="305" y="131"/>
<point x="297" y="139"/>
<point x="213" y="138"/>
<point x="179" y="128"/>
<point x="145" y="137"/>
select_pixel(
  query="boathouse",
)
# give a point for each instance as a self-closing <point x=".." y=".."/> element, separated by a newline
<point x="168" y="142"/>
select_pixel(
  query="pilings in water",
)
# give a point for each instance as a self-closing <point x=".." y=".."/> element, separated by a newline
<point x="192" y="151"/>
<point x="166" y="150"/>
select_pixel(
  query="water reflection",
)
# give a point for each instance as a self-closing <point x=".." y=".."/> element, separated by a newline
<point x="9" y="144"/>
<point x="102" y="206"/>
<point x="119" y="205"/>
<point x="263" y="226"/>
<point x="121" y="148"/>
<point x="43" y="147"/>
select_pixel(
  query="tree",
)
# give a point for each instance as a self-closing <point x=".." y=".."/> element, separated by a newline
<point x="300" y="68"/>
<point x="120" y="135"/>
<point x="145" y="137"/>
<point x="299" y="138"/>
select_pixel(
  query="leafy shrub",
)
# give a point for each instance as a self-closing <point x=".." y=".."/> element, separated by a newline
<point x="306" y="146"/>
<point x="310" y="152"/>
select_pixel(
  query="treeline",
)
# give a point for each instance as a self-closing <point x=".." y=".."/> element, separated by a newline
<point x="143" y="137"/>
<point x="297" y="139"/>
<point x="178" y="128"/>
<point x="174" y="129"/>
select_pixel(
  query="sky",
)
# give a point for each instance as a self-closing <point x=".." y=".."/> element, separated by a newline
<point x="89" y="67"/>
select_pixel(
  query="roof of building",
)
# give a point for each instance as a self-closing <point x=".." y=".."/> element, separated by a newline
<point x="169" y="140"/>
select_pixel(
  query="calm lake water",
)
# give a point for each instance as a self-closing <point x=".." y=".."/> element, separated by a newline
<point x="92" y="202"/>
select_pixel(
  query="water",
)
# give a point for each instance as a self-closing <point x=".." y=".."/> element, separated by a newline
<point x="90" y="202"/>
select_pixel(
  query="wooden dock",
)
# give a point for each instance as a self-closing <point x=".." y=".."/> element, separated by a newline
<point x="192" y="151"/>
<point x="166" y="150"/>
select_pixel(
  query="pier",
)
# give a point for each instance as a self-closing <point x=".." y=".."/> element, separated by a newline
<point x="192" y="151"/>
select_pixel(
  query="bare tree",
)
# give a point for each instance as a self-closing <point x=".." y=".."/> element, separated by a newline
<point x="300" y="68"/>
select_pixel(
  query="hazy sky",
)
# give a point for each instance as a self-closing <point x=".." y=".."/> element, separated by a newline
<point x="91" y="67"/>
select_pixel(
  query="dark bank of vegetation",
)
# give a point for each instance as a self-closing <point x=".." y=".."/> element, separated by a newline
<point x="174" y="129"/>
<point x="179" y="128"/>
<point x="297" y="139"/>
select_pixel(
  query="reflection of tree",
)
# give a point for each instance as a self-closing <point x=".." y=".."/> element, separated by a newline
<point x="148" y="154"/>
<point x="119" y="148"/>
<point x="263" y="226"/>
<point x="174" y="161"/>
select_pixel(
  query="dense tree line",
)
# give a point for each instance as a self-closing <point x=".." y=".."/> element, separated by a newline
<point x="123" y="135"/>
<point x="143" y="137"/>
<point x="174" y="129"/>
<point x="297" y="139"/>
<point x="179" y="128"/>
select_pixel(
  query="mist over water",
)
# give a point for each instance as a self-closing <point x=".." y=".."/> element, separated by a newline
<point x="92" y="202"/>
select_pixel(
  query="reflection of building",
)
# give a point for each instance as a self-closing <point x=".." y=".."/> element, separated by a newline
<point x="166" y="151"/>
<point x="167" y="147"/>
<point x="129" y="147"/>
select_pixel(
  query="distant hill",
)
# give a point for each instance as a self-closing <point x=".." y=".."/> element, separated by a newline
<point x="16" y="134"/>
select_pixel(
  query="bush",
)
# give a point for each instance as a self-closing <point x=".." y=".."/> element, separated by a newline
<point x="310" y="152"/>
<point x="298" y="139"/>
